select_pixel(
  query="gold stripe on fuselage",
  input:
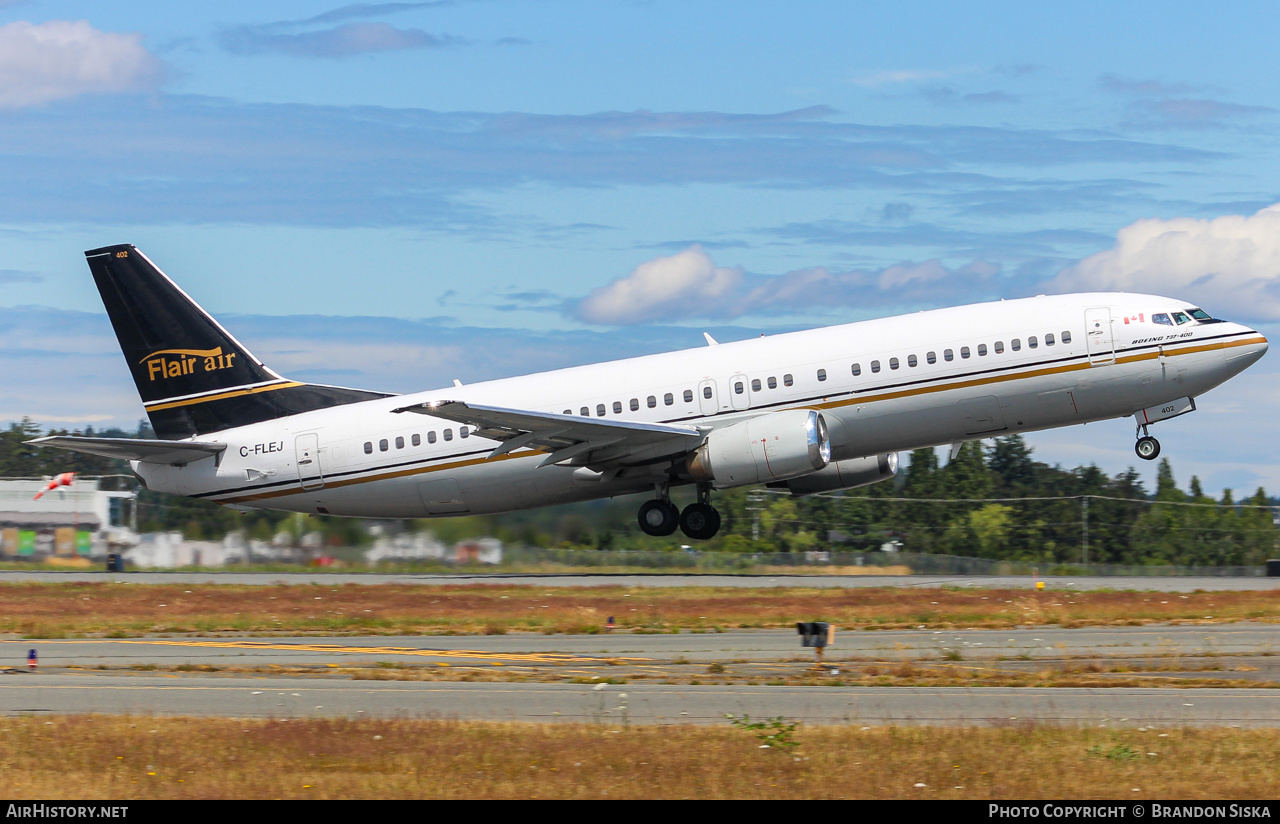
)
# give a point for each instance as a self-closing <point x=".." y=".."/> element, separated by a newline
<point x="884" y="396"/>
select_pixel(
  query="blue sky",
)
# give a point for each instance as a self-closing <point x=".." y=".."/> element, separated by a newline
<point x="393" y="195"/>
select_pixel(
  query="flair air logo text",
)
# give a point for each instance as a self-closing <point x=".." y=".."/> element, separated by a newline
<point x="172" y="363"/>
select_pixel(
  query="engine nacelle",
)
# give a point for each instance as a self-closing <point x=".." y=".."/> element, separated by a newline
<point x="848" y="474"/>
<point x="769" y="448"/>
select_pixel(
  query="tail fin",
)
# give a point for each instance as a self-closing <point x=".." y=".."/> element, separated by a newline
<point x="193" y="376"/>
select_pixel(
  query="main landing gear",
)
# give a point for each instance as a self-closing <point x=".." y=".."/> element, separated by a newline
<point x="1147" y="447"/>
<point x="699" y="520"/>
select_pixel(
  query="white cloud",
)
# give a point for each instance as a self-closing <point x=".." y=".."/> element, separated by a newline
<point x="50" y="61"/>
<point x="690" y="285"/>
<point x="888" y="77"/>
<point x="1231" y="264"/>
<point x="682" y="285"/>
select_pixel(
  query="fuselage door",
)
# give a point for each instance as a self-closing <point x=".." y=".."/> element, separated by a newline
<point x="1097" y="336"/>
<point x="707" y="399"/>
<point x="740" y="391"/>
<point x="308" y="452"/>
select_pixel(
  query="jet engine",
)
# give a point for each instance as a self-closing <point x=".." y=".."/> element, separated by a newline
<point x="772" y="447"/>
<point x="848" y="474"/>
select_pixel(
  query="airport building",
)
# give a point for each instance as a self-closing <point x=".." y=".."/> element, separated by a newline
<point x="89" y="519"/>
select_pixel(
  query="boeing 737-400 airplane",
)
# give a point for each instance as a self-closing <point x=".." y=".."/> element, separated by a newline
<point x="809" y="412"/>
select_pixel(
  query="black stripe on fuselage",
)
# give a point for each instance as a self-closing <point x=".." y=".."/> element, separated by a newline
<point x="427" y="461"/>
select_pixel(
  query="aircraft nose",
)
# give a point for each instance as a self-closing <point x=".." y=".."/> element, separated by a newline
<point x="1253" y="349"/>
<point x="1261" y="345"/>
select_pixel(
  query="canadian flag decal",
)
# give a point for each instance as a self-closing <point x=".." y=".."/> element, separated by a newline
<point x="1138" y="318"/>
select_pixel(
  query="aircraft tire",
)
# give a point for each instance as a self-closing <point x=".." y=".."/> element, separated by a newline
<point x="658" y="517"/>
<point x="1148" y="448"/>
<point x="700" y="521"/>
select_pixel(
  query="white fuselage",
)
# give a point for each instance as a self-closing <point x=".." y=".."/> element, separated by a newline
<point x="900" y="383"/>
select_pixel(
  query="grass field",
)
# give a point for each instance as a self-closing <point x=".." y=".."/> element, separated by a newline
<point x="60" y="610"/>
<point x="123" y="758"/>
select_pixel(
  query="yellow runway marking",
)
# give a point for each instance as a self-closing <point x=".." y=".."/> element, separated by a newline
<point x="535" y="657"/>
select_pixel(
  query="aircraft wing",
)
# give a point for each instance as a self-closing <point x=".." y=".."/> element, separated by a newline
<point x="135" y="449"/>
<point x="570" y="440"/>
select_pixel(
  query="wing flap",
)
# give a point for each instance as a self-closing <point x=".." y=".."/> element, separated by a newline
<point x="569" y="439"/>
<point x="135" y="449"/>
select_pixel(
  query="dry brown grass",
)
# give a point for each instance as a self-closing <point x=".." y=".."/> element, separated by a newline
<point x="54" y="610"/>
<point x="125" y="758"/>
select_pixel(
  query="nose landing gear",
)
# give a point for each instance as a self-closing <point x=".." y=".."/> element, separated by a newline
<point x="1147" y="447"/>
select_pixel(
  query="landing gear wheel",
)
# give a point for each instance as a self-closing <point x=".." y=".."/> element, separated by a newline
<point x="1148" y="448"/>
<point x="658" y="517"/>
<point x="700" y="521"/>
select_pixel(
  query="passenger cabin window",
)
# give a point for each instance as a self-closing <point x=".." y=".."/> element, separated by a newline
<point x="1066" y="336"/>
<point x="399" y="442"/>
<point x="893" y="363"/>
<point x="932" y="357"/>
<point x="668" y="399"/>
<point x="948" y="355"/>
<point x="383" y="446"/>
<point x="1161" y="319"/>
<point x="416" y="440"/>
<point x="651" y="401"/>
<point x="585" y="412"/>
<point x="755" y="384"/>
<point x="1032" y="343"/>
<point x="982" y="350"/>
<point x="911" y="360"/>
<point x="688" y="396"/>
<point x="1048" y="339"/>
<point x="964" y="351"/>
<point x="999" y="347"/>
<point x="464" y="432"/>
<point x="368" y="447"/>
<point x="617" y="407"/>
<point x="1016" y="344"/>
<point x="448" y="434"/>
<point x="857" y="369"/>
<point x="773" y="383"/>
<point x="739" y="387"/>
<point x="787" y="380"/>
<point x="431" y="437"/>
<point x="568" y="411"/>
<point x="599" y="410"/>
<point x="706" y="392"/>
<point x="875" y="366"/>
<point x="635" y="404"/>
<point x="822" y="374"/>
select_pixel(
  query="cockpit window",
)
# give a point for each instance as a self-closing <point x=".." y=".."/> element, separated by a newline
<point x="1161" y="318"/>
<point x="1181" y="318"/>
<point x="1200" y="314"/>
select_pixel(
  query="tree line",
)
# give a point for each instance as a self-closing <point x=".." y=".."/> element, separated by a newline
<point x="992" y="500"/>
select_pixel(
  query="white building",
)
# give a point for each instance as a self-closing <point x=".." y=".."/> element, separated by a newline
<point x="82" y="520"/>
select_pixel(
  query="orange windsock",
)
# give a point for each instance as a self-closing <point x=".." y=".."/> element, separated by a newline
<point x="65" y="479"/>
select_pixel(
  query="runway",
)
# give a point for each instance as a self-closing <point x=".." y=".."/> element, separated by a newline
<point x="1143" y="582"/>
<point x="635" y="704"/>
<point x="1037" y="644"/>
<point x="306" y="677"/>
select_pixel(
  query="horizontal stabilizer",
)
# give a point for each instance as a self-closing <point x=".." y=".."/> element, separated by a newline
<point x="135" y="449"/>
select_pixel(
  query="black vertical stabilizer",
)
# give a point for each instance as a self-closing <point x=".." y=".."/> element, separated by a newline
<point x="193" y="376"/>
